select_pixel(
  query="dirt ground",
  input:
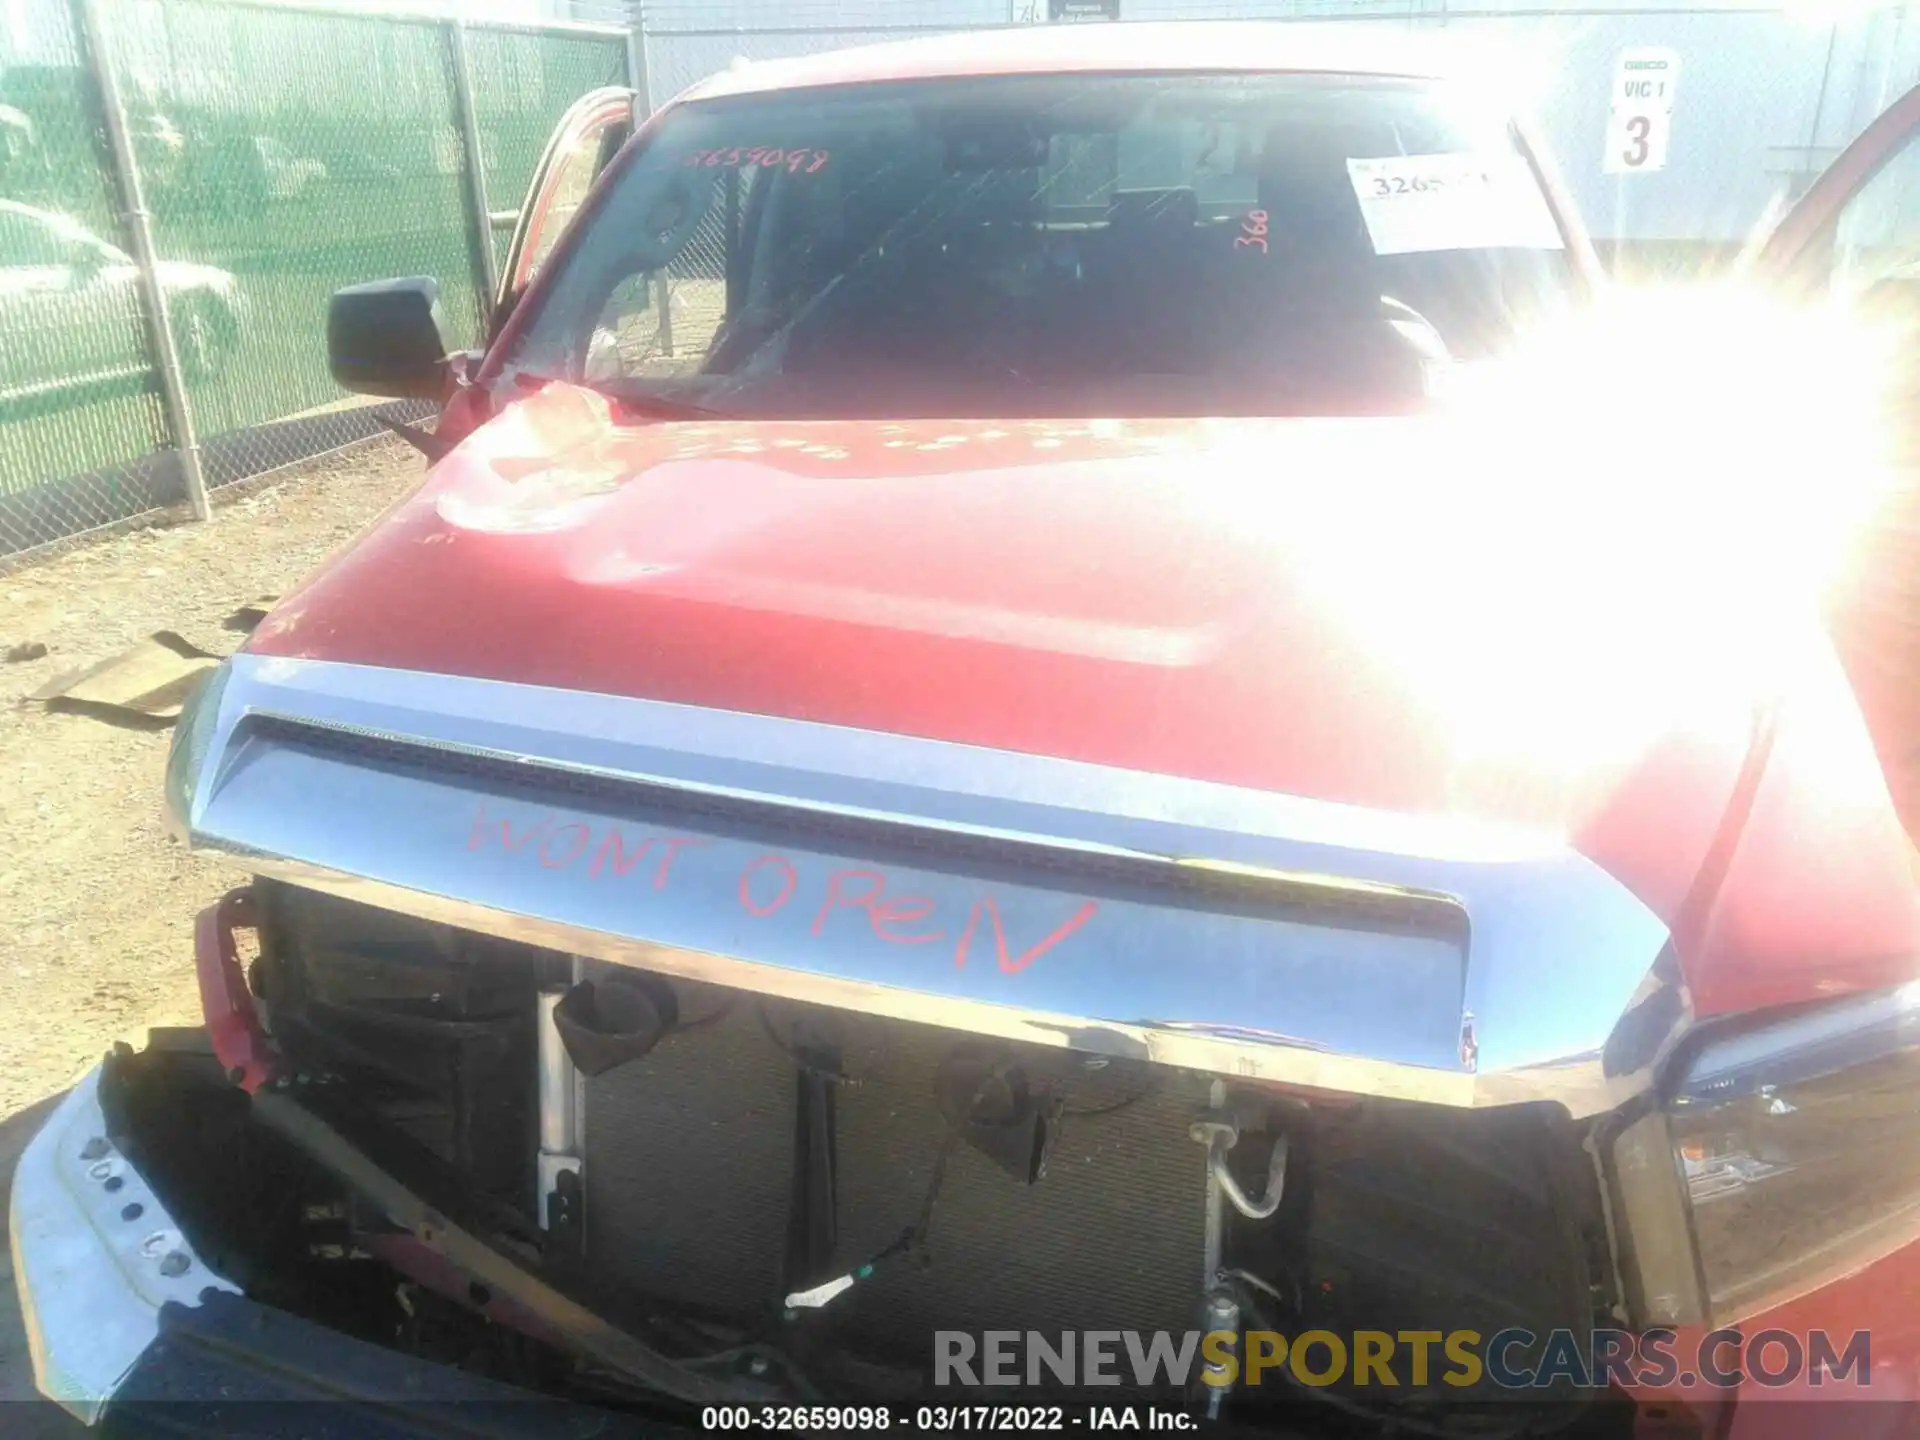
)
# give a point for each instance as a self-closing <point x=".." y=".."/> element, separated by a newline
<point x="98" y="899"/>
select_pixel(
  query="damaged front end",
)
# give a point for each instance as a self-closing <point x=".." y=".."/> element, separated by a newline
<point x="660" y="1059"/>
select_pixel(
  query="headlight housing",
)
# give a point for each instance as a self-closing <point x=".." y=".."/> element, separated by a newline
<point x="1787" y="1155"/>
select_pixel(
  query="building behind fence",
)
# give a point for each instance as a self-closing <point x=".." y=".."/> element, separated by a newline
<point x="1767" y="95"/>
<point x="282" y="152"/>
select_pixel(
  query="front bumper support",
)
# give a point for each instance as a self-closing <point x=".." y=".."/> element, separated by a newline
<point x="96" y="1257"/>
<point x="129" y="1330"/>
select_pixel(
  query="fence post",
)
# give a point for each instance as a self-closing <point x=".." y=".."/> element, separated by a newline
<point x="637" y="62"/>
<point x="479" y="215"/>
<point x="643" y="107"/>
<point x="133" y="206"/>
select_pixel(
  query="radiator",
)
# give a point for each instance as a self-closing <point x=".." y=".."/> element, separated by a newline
<point x="688" y="1171"/>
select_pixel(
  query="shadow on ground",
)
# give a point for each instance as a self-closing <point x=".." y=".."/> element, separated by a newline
<point x="23" y="1414"/>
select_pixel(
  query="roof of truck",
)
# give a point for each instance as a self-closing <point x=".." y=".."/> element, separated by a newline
<point x="1180" y="47"/>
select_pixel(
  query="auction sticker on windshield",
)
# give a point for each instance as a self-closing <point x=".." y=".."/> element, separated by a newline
<point x="1415" y="203"/>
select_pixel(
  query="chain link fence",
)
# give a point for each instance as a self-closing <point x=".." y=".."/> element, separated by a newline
<point x="286" y="150"/>
<point x="516" y="87"/>
<point x="77" y="396"/>
<point x="282" y="152"/>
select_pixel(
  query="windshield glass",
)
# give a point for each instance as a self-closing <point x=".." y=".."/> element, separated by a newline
<point x="1059" y="246"/>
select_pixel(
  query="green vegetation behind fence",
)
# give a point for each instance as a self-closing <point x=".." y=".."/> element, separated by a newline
<point x="283" y="154"/>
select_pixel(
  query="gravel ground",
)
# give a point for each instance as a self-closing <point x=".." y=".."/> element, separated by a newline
<point x="99" y="900"/>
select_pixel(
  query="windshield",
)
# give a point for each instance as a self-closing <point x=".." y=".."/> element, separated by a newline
<point x="1059" y="246"/>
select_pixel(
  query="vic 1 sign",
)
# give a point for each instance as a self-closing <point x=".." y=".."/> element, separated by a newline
<point x="1640" y="114"/>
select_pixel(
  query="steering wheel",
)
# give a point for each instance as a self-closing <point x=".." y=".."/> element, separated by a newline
<point x="1421" y="334"/>
<point x="671" y="216"/>
<point x="667" y="220"/>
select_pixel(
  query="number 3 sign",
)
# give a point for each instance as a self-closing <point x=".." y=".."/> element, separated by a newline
<point x="1640" y="117"/>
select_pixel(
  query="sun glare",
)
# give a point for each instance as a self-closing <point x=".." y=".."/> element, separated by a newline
<point x="1609" y="537"/>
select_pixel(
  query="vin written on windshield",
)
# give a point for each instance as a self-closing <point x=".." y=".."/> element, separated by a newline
<point x="1096" y="245"/>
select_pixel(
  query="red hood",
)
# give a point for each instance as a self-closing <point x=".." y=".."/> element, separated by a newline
<point x="1362" y="611"/>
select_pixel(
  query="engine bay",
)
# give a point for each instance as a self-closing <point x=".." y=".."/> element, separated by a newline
<point x="604" y="1183"/>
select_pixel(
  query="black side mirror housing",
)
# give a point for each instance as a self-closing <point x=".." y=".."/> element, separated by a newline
<point x="387" y="338"/>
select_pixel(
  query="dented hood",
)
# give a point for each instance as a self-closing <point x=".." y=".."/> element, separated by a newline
<point x="1406" y="614"/>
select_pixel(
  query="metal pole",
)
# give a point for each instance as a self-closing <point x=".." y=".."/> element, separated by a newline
<point x="1899" y="19"/>
<point x="479" y="213"/>
<point x="561" y="1097"/>
<point x="637" y="65"/>
<point x="1808" y="170"/>
<point x="133" y="206"/>
<point x="642" y="108"/>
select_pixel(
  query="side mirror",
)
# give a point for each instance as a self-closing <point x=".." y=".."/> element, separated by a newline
<point x="387" y="339"/>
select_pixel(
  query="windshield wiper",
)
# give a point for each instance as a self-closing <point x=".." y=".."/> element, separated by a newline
<point x="665" y="407"/>
<point x="644" y="403"/>
<point x="425" y="441"/>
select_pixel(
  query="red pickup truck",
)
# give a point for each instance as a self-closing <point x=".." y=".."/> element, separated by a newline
<point x="931" y="815"/>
